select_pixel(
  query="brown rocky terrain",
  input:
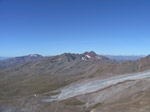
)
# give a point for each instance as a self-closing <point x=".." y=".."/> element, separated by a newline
<point x="24" y="86"/>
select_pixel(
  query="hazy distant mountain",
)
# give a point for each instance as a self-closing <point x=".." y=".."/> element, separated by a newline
<point x="19" y="60"/>
<point x="124" y="58"/>
<point x="3" y="58"/>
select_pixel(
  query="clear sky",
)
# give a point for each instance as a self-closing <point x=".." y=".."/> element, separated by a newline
<point x="51" y="27"/>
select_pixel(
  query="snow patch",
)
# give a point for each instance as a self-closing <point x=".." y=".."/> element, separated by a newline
<point x="88" y="56"/>
<point x="83" y="58"/>
<point x="33" y="55"/>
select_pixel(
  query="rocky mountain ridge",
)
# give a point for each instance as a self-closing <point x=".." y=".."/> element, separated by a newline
<point x="19" y="60"/>
<point x="87" y="56"/>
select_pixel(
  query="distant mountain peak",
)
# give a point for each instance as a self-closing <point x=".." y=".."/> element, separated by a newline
<point x="92" y="56"/>
<point x="91" y="53"/>
<point x="34" y="55"/>
<point x="86" y="56"/>
<point x="20" y="60"/>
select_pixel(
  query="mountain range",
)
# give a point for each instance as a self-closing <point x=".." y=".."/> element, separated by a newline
<point x="6" y="62"/>
<point x="26" y="81"/>
<point x="87" y="56"/>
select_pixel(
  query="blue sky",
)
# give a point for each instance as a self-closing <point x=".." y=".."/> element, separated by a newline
<point x="50" y="27"/>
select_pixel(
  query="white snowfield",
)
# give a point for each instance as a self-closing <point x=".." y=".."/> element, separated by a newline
<point x="93" y="86"/>
<point x="88" y="56"/>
